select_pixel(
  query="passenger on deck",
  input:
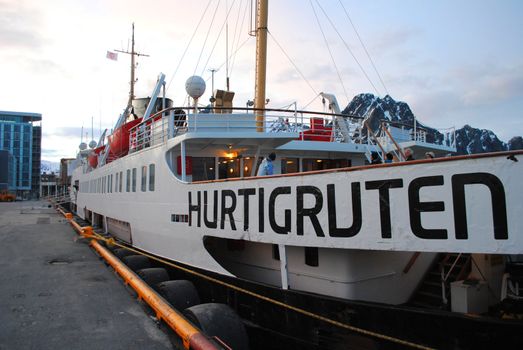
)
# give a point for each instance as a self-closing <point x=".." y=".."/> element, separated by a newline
<point x="266" y="166"/>
<point x="430" y="155"/>
<point x="409" y="155"/>
<point x="389" y="157"/>
<point x="375" y="158"/>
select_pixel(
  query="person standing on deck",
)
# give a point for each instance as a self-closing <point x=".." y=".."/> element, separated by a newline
<point x="409" y="155"/>
<point x="375" y="158"/>
<point x="266" y="166"/>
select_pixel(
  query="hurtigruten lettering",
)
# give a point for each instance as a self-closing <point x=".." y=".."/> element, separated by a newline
<point x="218" y="208"/>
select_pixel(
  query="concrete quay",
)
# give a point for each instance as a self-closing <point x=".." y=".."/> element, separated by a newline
<point x="55" y="292"/>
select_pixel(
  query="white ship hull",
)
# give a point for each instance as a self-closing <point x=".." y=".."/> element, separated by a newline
<point x="364" y="243"/>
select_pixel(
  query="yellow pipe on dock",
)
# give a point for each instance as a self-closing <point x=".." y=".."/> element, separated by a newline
<point x="191" y="336"/>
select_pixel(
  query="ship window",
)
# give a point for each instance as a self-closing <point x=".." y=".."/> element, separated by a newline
<point x="228" y="167"/>
<point x="203" y="168"/>
<point x="111" y="187"/>
<point x="144" y="178"/>
<point x="290" y="165"/>
<point x="151" y="177"/>
<point x="247" y="166"/>
<point x="116" y="183"/>
<point x="311" y="256"/>
<point x="121" y="180"/>
<point x="128" y="182"/>
<point x="275" y="252"/>
<point x="321" y="164"/>
<point x="133" y="183"/>
<point x="103" y="184"/>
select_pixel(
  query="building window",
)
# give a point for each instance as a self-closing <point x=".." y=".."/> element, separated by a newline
<point x="311" y="256"/>
<point x="144" y="178"/>
<point x="134" y="180"/>
<point x="151" y="177"/>
<point x="128" y="182"/>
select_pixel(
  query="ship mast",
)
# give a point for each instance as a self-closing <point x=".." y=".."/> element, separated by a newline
<point x="261" y="61"/>
<point x="133" y="67"/>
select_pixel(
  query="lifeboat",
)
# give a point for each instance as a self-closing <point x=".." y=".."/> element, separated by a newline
<point x="93" y="156"/>
<point x="119" y="139"/>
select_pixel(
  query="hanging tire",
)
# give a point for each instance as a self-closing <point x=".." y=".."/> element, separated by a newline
<point x="219" y="320"/>
<point x="153" y="275"/>
<point x="181" y="294"/>
<point x="121" y="253"/>
<point x="136" y="262"/>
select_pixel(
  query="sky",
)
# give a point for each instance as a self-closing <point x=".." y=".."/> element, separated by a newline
<point x="454" y="62"/>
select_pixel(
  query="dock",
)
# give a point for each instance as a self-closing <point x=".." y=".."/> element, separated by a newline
<point x="56" y="293"/>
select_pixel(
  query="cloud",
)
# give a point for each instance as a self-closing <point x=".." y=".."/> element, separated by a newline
<point x="494" y="86"/>
<point x="19" y="26"/>
<point x="51" y="153"/>
<point x="67" y="131"/>
<point x="392" y="40"/>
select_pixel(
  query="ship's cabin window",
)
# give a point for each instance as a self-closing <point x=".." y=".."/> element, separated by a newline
<point x="133" y="181"/>
<point x="311" y="256"/>
<point x="128" y="181"/>
<point x="322" y="164"/>
<point x="248" y="163"/>
<point x="151" y="177"/>
<point x="144" y="178"/>
<point x="203" y="168"/>
<point x="116" y="183"/>
<point x="228" y="167"/>
<point x="290" y="165"/>
<point x="121" y="180"/>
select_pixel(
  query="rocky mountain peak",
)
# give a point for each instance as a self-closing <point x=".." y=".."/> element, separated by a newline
<point x="468" y="139"/>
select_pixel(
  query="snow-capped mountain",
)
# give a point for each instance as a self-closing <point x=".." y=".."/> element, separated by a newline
<point x="468" y="139"/>
<point x="48" y="167"/>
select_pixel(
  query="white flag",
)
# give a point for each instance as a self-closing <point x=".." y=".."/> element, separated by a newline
<point x="112" y="56"/>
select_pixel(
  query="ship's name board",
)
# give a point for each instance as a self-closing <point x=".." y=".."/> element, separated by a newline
<point x="236" y="209"/>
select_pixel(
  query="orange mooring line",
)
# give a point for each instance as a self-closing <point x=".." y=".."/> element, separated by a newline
<point x="192" y="337"/>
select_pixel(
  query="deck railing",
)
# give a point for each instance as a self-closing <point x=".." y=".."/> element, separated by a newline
<point x="305" y="125"/>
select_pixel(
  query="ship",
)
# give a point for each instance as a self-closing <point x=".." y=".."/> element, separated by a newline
<point x="328" y="229"/>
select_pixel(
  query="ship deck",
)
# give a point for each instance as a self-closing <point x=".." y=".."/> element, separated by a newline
<point x="55" y="293"/>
